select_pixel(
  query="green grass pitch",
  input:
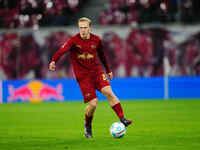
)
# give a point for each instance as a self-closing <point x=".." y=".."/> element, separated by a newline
<point x="158" y="125"/>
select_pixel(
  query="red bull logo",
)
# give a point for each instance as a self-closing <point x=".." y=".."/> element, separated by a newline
<point x="35" y="91"/>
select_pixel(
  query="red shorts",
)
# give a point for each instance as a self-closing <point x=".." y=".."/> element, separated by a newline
<point x="91" y="82"/>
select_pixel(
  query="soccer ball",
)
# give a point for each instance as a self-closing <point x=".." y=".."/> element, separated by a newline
<point x="117" y="130"/>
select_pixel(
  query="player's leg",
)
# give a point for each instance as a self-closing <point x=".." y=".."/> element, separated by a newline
<point x="107" y="91"/>
<point x="89" y="113"/>
<point x="91" y="107"/>
<point x="115" y="104"/>
<point x="89" y="94"/>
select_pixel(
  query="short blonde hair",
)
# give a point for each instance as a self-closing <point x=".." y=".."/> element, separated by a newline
<point x="85" y="19"/>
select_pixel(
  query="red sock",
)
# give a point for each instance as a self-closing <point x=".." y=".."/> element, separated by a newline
<point x="118" y="110"/>
<point x="88" y="120"/>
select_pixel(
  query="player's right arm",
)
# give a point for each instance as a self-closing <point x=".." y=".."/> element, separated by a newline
<point x="65" y="48"/>
<point x="52" y="66"/>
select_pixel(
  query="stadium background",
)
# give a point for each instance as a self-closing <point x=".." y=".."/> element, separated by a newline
<point x="138" y="35"/>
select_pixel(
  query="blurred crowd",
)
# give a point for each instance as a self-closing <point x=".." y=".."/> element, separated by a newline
<point x="150" y="11"/>
<point x="21" y="54"/>
<point x="141" y="54"/>
<point x="35" y="13"/>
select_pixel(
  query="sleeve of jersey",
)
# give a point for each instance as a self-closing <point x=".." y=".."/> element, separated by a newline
<point x="65" y="48"/>
<point x="102" y="57"/>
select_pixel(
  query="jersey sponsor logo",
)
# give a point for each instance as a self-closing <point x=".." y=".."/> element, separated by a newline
<point x="85" y="56"/>
<point x="81" y="56"/>
<point x="89" y="56"/>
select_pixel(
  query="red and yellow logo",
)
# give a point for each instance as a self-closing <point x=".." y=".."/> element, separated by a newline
<point x="35" y="91"/>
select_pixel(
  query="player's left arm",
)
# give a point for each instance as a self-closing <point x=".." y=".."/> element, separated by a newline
<point x="110" y="75"/>
<point x="103" y="59"/>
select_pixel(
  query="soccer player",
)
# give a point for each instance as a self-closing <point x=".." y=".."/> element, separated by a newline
<point x="85" y="48"/>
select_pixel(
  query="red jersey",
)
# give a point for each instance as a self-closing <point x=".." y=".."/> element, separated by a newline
<point x="84" y="53"/>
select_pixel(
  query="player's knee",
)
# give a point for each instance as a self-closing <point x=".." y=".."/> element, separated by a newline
<point x="93" y="103"/>
<point x="107" y="93"/>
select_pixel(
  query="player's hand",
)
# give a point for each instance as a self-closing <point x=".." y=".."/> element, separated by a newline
<point x="110" y="75"/>
<point x="52" y="66"/>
